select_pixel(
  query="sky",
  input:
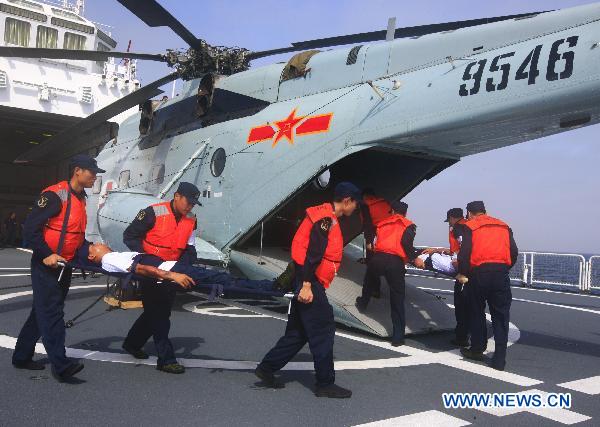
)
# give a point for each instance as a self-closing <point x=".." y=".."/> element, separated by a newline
<point x="546" y="189"/>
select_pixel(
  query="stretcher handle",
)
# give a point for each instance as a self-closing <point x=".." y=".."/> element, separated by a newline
<point x="62" y="270"/>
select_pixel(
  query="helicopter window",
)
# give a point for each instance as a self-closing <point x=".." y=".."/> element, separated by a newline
<point x="16" y="32"/>
<point x="296" y="66"/>
<point x="352" y="55"/>
<point x="158" y="174"/>
<point x="217" y="163"/>
<point x="97" y="185"/>
<point x="124" y="179"/>
<point x="46" y="37"/>
<point x="74" y="41"/>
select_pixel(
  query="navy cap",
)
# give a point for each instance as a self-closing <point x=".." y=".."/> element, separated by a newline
<point x="454" y="213"/>
<point x="399" y="207"/>
<point x="190" y="191"/>
<point x="84" y="161"/>
<point x="347" y="189"/>
<point x="475" y="206"/>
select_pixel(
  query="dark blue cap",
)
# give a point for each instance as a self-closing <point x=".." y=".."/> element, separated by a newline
<point x="454" y="213"/>
<point x="84" y="161"/>
<point x="399" y="207"/>
<point x="476" y="206"/>
<point x="190" y="191"/>
<point x="347" y="189"/>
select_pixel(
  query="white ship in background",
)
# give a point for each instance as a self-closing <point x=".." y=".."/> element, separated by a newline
<point x="42" y="88"/>
<point x="41" y="97"/>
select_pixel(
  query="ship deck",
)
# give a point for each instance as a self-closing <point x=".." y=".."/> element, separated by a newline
<point x="555" y="348"/>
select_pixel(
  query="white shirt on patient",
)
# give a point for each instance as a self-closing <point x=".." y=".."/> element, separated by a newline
<point x="441" y="263"/>
<point x="120" y="262"/>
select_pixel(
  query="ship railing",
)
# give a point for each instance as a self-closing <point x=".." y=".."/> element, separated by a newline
<point x="593" y="274"/>
<point x="547" y="270"/>
<point x="540" y="269"/>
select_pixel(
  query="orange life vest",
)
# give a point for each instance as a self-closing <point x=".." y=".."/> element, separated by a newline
<point x="75" y="230"/>
<point x="332" y="258"/>
<point x="389" y="235"/>
<point x="378" y="208"/>
<point x="168" y="238"/>
<point x="454" y="243"/>
<point x="490" y="241"/>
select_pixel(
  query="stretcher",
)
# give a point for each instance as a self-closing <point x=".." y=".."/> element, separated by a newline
<point x="215" y="290"/>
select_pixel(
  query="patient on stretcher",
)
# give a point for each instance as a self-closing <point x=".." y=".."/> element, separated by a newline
<point x="442" y="263"/>
<point x="186" y="276"/>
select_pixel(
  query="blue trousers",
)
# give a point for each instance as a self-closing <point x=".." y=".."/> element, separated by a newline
<point x="461" y="311"/>
<point x="312" y="323"/>
<point x="393" y="269"/>
<point x="46" y="319"/>
<point x="155" y="321"/>
<point x="209" y="276"/>
<point x="493" y="287"/>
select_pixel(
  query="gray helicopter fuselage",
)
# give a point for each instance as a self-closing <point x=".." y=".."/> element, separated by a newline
<point x="444" y="95"/>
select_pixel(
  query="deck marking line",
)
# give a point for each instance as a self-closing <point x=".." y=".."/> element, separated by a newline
<point x="419" y="357"/>
<point x="427" y="418"/>
<point x="589" y="385"/>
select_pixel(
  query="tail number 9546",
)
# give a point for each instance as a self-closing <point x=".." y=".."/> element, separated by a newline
<point x="559" y="66"/>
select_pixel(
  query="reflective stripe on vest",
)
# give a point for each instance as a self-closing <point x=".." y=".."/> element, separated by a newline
<point x="168" y="238"/>
<point x="453" y="241"/>
<point x="490" y="241"/>
<point x="389" y="236"/>
<point x="330" y="264"/>
<point x="378" y="208"/>
<point x="77" y="221"/>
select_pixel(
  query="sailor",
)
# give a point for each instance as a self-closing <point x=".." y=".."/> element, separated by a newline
<point x="317" y="253"/>
<point x="373" y="210"/>
<point x="55" y="229"/>
<point x="455" y="220"/>
<point x="393" y="249"/>
<point x="165" y="230"/>
<point x="487" y="253"/>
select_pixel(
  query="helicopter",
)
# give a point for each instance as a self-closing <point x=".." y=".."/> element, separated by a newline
<point x="387" y="110"/>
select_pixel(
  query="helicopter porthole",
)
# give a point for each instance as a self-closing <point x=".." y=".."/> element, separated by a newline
<point x="217" y="163"/>
<point x="322" y="181"/>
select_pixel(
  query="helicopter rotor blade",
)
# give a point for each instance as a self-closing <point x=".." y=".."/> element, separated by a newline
<point x="405" y="32"/>
<point x="154" y="15"/>
<point x="66" y="141"/>
<point x="85" y="55"/>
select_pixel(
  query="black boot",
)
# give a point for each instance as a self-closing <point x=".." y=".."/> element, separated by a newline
<point x="268" y="378"/>
<point x="135" y="352"/>
<point x="333" y="391"/>
<point x="470" y="354"/>
<point x="360" y="304"/>
<point x="30" y="365"/>
<point x="66" y="375"/>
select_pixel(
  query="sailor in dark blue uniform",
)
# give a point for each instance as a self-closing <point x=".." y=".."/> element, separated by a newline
<point x="317" y="253"/>
<point x="55" y="229"/>
<point x="166" y="230"/>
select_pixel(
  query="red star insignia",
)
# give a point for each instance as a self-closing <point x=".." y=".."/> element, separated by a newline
<point x="286" y="127"/>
